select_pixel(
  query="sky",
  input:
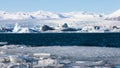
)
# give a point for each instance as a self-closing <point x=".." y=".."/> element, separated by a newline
<point x="97" y="6"/>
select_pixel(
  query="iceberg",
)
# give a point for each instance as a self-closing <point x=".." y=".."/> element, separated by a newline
<point x="17" y="28"/>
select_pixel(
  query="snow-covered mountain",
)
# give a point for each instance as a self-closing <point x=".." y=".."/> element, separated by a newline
<point x="47" y="15"/>
<point x="77" y="21"/>
<point x="115" y="16"/>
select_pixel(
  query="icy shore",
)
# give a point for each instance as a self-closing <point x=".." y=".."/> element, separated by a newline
<point x="70" y="56"/>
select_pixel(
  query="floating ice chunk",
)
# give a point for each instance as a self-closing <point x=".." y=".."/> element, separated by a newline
<point x="4" y="59"/>
<point x="3" y="43"/>
<point x="17" y="65"/>
<point x="91" y="64"/>
<point x="47" y="62"/>
<point x="16" y="28"/>
<point x="16" y="59"/>
<point x="42" y="55"/>
<point x="65" y="62"/>
<point x="12" y="46"/>
<point x="97" y="63"/>
<point x="2" y="52"/>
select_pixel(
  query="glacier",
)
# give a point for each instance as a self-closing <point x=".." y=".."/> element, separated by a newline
<point x="33" y="21"/>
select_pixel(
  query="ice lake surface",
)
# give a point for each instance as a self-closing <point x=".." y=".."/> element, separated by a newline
<point x="70" y="56"/>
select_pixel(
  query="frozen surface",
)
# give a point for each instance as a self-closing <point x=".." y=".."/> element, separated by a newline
<point x="73" y="51"/>
<point x="85" y="56"/>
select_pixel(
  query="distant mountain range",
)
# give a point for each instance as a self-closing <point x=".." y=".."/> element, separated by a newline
<point x="53" y="21"/>
<point x="46" y="15"/>
<point x="54" y="15"/>
<point x="115" y="16"/>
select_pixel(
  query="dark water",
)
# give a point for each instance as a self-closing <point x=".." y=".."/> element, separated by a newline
<point x="63" y="39"/>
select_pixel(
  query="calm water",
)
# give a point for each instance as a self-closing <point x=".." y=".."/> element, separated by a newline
<point x="63" y="39"/>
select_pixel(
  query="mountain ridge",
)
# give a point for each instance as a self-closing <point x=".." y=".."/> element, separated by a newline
<point x="115" y="16"/>
<point x="46" y="15"/>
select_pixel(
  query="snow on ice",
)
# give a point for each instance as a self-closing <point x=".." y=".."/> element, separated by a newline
<point x="12" y="56"/>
